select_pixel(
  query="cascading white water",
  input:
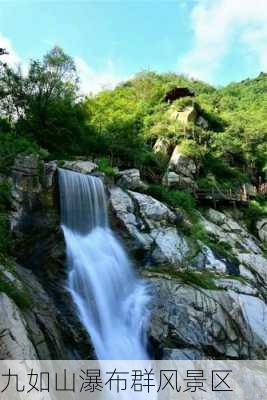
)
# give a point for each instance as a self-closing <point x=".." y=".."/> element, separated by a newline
<point x="110" y="299"/>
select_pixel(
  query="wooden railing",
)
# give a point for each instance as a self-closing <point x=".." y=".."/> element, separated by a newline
<point x="216" y="194"/>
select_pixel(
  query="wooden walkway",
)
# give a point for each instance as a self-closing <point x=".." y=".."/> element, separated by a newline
<point x="238" y="195"/>
<point x="218" y="195"/>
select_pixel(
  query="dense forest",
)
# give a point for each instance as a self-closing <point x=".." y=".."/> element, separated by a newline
<point x="43" y="112"/>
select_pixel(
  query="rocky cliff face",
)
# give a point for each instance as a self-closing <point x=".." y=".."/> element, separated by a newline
<point x="205" y="303"/>
<point x="208" y="298"/>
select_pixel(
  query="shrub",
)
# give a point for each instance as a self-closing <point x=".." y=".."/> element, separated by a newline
<point x="256" y="210"/>
<point x="104" y="166"/>
<point x="11" y="145"/>
<point x="5" y="196"/>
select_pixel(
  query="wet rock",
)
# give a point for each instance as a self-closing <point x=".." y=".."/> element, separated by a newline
<point x="84" y="167"/>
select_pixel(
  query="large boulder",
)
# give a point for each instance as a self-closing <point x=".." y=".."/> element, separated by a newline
<point x="207" y="260"/>
<point x="15" y="343"/>
<point x="173" y="180"/>
<point x="130" y="179"/>
<point x="180" y="172"/>
<point x="214" y="322"/>
<point x="182" y="164"/>
<point x="148" y="225"/>
<point x="185" y="117"/>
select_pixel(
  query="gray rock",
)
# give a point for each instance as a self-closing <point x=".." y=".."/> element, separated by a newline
<point x="50" y="169"/>
<point x="149" y="225"/>
<point x="256" y="263"/>
<point x="214" y="322"/>
<point x="225" y="229"/>
<point x="262" y="229"/>
<point x="14" y="341"/>
<point x="206" y="259"/>
<point x="236" y="286"/>
<point x="182" y="164"/>
<point x="173" y="180"/>
<point x="170" y="246"/>
<point x="182" y="354"/>
<point x="84" y="167"/>
<point x="202" y="122"/>
<point x="130" y="179"/>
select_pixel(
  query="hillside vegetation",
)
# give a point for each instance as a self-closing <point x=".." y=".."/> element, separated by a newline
<point x="42" y="112"/>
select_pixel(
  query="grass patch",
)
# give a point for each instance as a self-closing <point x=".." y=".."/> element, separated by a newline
<point x="20" y="297"/>
<point x="203" y="279"/>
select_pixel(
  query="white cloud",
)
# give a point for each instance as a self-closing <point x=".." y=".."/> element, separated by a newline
<point x="92" y="81"/>
<point x="219" y="24"/>
<point x="12" y="58"/>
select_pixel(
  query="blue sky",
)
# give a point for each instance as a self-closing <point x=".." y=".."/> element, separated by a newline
<point x="215" y="40"/>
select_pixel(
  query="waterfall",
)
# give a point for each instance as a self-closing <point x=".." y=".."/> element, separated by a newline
<point x="111" y="300"/>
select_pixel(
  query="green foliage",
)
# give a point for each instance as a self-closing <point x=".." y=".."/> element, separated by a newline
<point x="175" y="199"/>
<point x="17" y="293"/>
<point x="5" y="196"/>
<point x="104" y="166"/>
<point x="256" y="210"/>
<point x="182" y="103"/>
<point x="44" y="104"/>
<point x="203" y="279"/>
<point x="217" y="173"/>
<point x="11" y="145"/>
<point x="190" y="148"/>
<point x="5" y="236"/>
<point x="43" y="109"/>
